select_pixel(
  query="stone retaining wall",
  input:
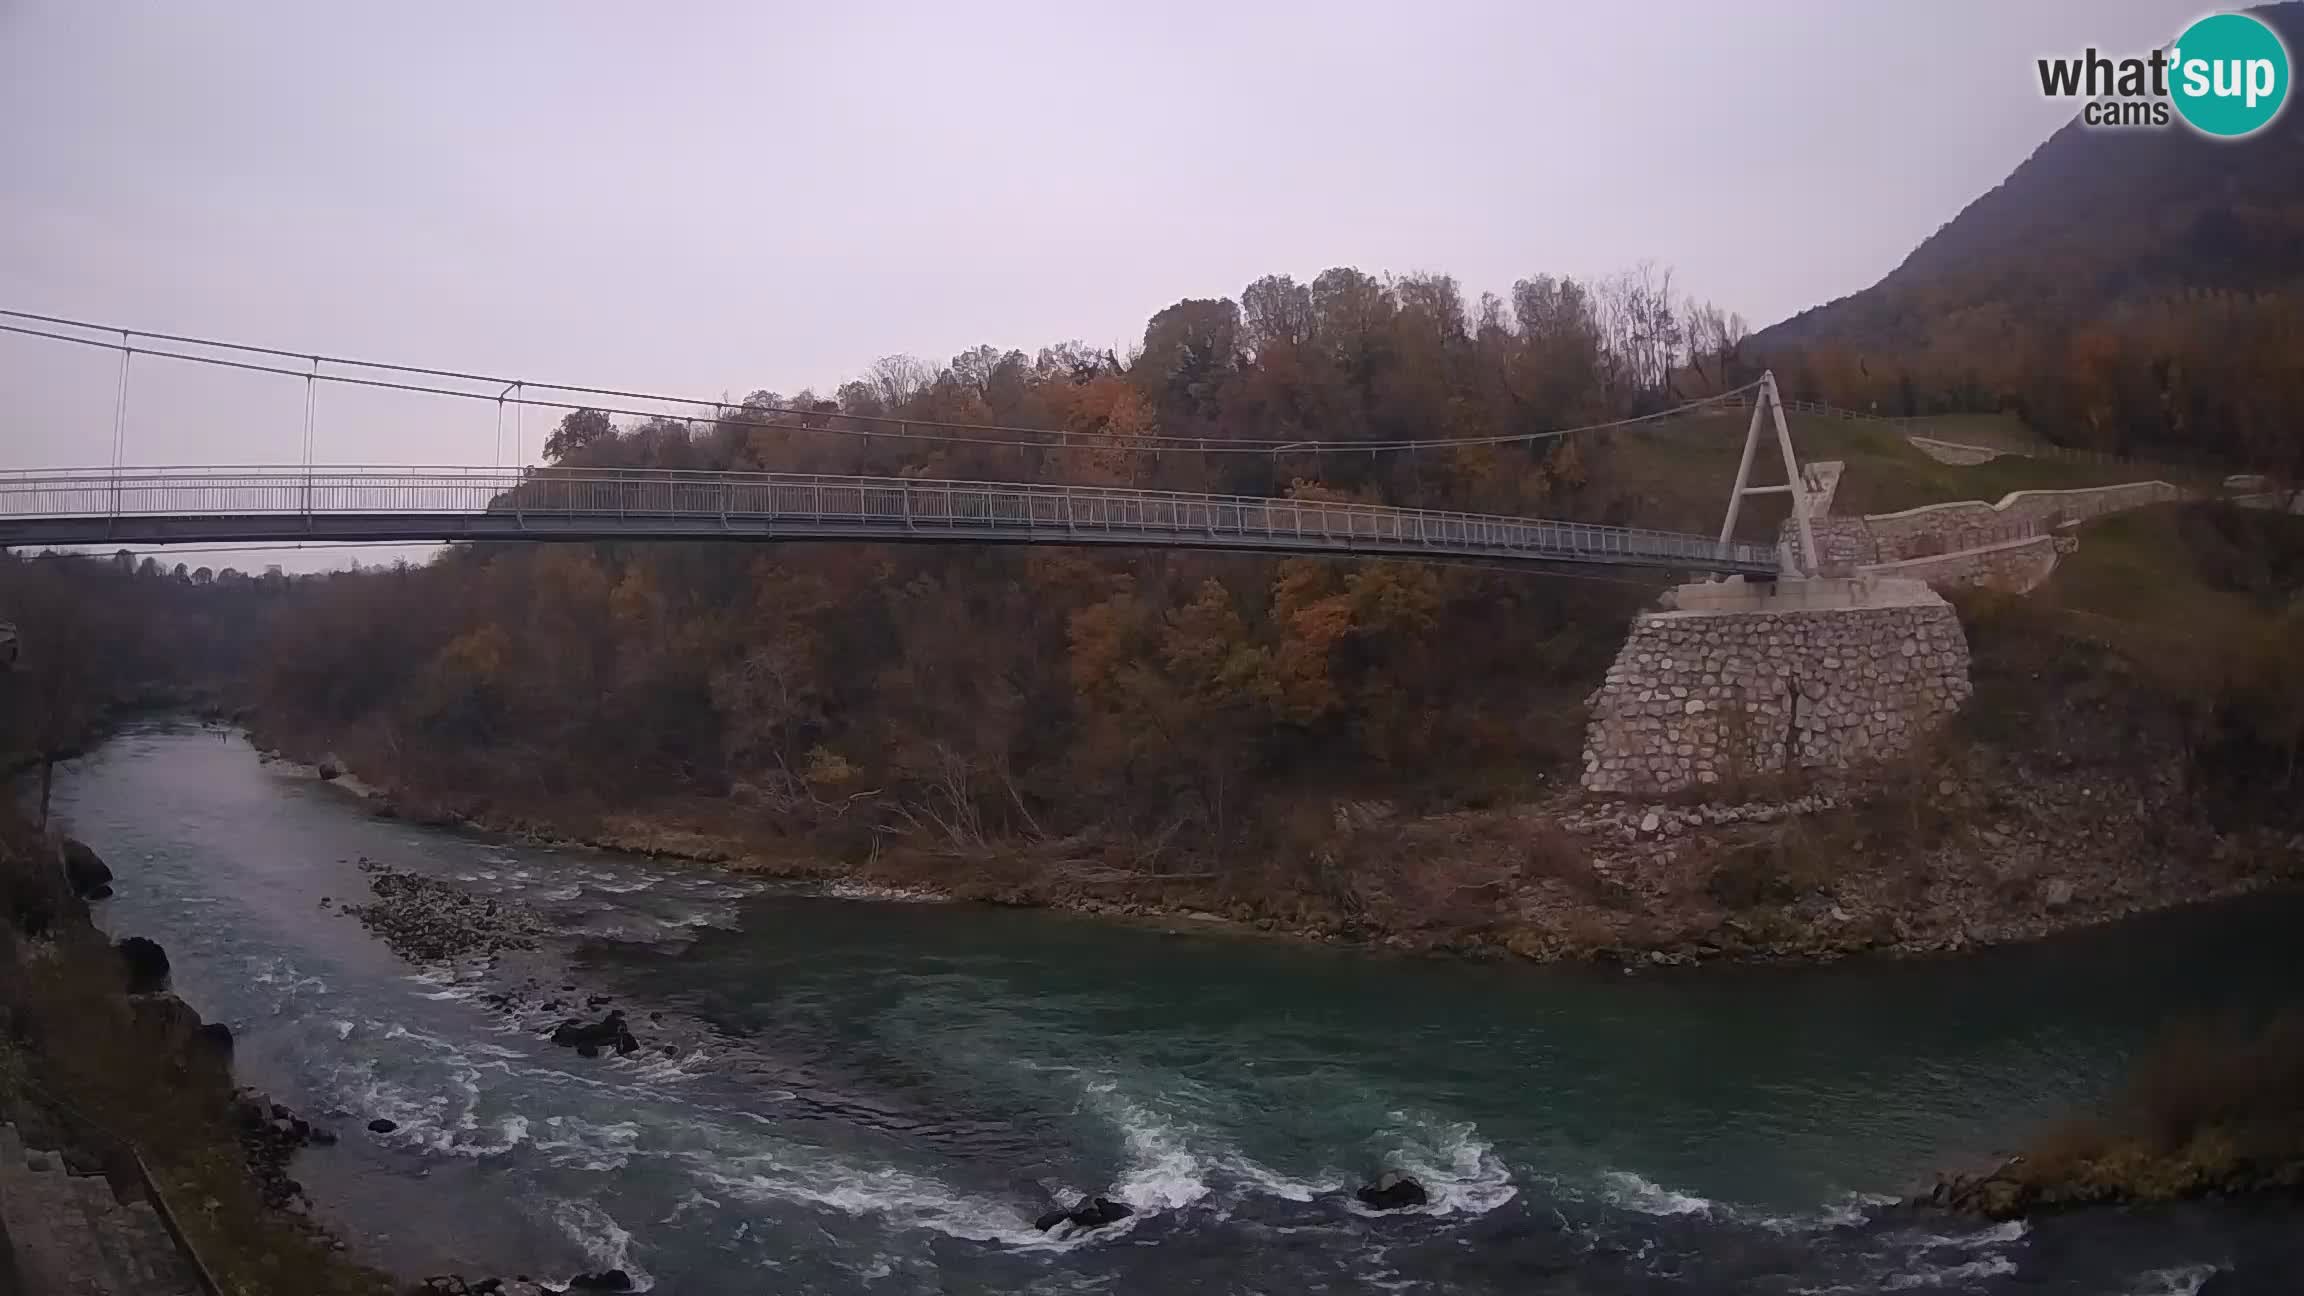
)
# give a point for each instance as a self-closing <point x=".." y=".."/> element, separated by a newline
<point x="1942" y="528"/>
<point x="1698" y="697"/>
<point x="2017" y="566"/>
<point x="1845" y="541"/>
<point x="1947" y="530"/>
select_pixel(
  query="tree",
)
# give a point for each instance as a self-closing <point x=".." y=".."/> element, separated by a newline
<point x="578" y="430"/>
<point x="897" y="380"/>
<point x="1275" y="312"/>
<point x="1190" y="349"/>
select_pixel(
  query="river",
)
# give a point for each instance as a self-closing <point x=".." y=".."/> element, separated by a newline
<point x="879" y="1096"/>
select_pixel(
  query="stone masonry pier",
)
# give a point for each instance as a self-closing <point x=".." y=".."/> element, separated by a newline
<point x="1738" y="680"/>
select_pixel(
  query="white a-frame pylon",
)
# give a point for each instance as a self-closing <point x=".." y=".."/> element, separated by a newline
<point x="1766" y="402"/>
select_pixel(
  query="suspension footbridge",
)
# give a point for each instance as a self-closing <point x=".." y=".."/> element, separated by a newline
<point x="312" y="503"/>
<point x="291" y="505"/>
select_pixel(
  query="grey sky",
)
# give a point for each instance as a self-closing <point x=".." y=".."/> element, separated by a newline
<point x="717" y="197"/>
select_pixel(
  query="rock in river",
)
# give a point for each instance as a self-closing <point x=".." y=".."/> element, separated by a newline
<point x="1392" y="1191"/>
<point x="1095" y="1212"/>
<point x="382" y="1126"/>
<point x="609" y="1280"/>
<point x="588" y="1041"/>
<point x="426" y="920"/>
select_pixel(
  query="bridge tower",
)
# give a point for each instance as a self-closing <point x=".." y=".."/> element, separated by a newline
<point x="1767" y="403"/>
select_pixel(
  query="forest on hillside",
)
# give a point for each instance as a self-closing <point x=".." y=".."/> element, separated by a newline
<point x="962" y="696"/>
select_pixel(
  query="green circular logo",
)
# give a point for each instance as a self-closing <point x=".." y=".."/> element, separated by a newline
<point x="2228" y="75"/>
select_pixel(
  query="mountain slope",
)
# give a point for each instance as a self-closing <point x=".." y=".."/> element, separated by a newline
<point x="2094" y="218"/>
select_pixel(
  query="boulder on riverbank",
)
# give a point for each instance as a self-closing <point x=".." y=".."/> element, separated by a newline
<point x="270" y="1134"/>
<point x="610" y="1280"/>
<point x="1392" y="1191"/>
<point x="1095" y="1212"/>
<point x="146" y="964"/>
<point x="87" y="873"/>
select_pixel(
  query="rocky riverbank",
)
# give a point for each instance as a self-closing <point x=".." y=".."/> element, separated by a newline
<point x="100" y="1060"/>
<point x="2019" y="824"/>
<point x="1965" y="850"/>
<point x="2213" y="1113"/>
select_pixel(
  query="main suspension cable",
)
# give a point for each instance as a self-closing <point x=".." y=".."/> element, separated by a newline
<point x="786" y="418"/>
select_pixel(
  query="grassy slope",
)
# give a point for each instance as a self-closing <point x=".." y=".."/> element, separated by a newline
<point x="2177" y="587"/>
<point x="2001" y="431"/>
<point x="1676" y="475"/>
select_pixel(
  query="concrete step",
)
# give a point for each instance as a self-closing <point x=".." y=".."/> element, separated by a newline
<point x="160" y="1268"/>
<point x="56" y="1244"/>
<point x="104" y="1261"/>
<point x="72" y="1236"/>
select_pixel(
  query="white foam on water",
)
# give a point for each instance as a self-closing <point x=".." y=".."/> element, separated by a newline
<point x="605" y="1243"/>
<point x="2183" y="1280"/>
<point x="1847" y="1212"/>
<point x="693" y="1201"/>
<point x="1271" y="1183"/>
<point x="1461" y="1173"/>
<point x="2003" y="1232"/>
<point x="626" y="886"/>
<point x="1988" y="1267"/>
<point x="436" y="1105"/>
<point x="1854" y="1209"/>
<point x="579" y="1144"/>
<point x="1163" y="1172"/>
<point x="653" y="1067"/>
<point x="1173" y="1163"/>
<point x="1635" y="1192"/>
<point x="904" y="1200"/>
<point x="1983" y="1239"/>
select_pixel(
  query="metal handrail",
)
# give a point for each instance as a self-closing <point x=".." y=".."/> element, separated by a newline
<point x="837" y="502"/>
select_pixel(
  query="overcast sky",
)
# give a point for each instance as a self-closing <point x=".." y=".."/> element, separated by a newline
<point x="718" y="197"/>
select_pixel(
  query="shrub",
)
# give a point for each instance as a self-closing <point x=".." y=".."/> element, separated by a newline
<point x="2213" y="1109"/>
<point x="1778" y="866"/>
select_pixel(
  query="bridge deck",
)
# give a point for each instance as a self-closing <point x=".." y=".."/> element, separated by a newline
<point x="178" y="505"/>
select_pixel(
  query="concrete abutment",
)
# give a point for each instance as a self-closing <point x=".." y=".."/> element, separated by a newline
<point x="1736" y="679"/>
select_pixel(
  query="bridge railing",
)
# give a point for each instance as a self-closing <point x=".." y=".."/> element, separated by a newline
<point x="753" y="502"/>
